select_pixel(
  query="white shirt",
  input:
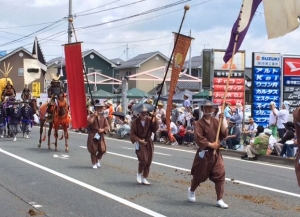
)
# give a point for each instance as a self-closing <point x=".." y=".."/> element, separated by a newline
<point x="283" y="116"/>
<point x="272" y="118"/>
<point x="272" y="141"/>
<point x="181" y="117"/>
<point x="173" y="128"/>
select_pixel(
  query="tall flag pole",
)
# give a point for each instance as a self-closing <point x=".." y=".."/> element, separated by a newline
<point x="186" y="8"/>
<point x="180" y="51"/>
<point x="236" y="33"/>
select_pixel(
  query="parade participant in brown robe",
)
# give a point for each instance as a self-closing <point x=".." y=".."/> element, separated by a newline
<point x="208" y="164"/>
<point x="144" y="146"/>
<point x="296" y="116"/>
<point x="96" y="142"/>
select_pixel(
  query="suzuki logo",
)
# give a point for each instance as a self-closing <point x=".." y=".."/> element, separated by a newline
<point x="294" y="66"/>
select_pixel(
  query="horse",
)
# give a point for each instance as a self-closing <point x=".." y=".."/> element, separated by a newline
<point x="46" y="112"/>
<point x="62" y="119"/>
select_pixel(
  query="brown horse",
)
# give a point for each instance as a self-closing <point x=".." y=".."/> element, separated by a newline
<point x="62" y="119"/>
<point x="46" y="112"/>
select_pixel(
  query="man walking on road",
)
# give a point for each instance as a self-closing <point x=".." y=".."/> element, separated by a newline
<point x="144" y="146"/>
<point x="98" y="126"/>
<point x="208" y="162"/>
<point x="296" y="116"/>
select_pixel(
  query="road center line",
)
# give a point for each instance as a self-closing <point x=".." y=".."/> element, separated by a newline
<point x="193" y="152"/>
<point x="227" y="179"/>
<point x="226" y="157"/>
<point x="87" y="186"/>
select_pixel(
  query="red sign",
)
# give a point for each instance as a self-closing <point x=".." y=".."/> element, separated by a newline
<point x="231" y="88"/>
<point x="236" y="81"/>
<point x="291" y="66"/>
<point x="232" y="101"/>
<point x="233" y="95"/>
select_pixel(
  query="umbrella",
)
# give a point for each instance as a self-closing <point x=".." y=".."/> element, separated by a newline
<point x="143" y="107"/>
<point x="119" y="114"/>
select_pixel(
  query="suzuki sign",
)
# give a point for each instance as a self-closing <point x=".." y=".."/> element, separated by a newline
<point x="267" y="60"/>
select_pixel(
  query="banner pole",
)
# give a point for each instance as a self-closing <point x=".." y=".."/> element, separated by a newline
<point x="186" y="8"/>
<point x="228" y="77"/>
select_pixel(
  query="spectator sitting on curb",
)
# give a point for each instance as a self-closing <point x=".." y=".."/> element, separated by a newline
<point x="259" y="145"/>
<point x="234" y="135"/>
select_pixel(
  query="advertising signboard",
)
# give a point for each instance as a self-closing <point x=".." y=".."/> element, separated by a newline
<point x="291" y="80"/>
<point x="236" y="86"/>
<point x="266" y="85"/>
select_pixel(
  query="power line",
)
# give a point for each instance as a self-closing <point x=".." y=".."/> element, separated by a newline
<point x="110" y="8"/>
<point x="26" y="36"/>
<point x="37" y="24"/>
<point x="136" y="15"/>
<point x="96" y="7"/>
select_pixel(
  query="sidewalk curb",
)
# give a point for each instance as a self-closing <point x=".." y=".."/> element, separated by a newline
<point x="264" y="158"/>
<point x="233" y="153"/>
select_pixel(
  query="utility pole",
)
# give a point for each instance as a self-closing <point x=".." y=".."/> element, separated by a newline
<point x="190" y="60"/>
<point x="127" y="52"/>
<point x="70" y="20"/>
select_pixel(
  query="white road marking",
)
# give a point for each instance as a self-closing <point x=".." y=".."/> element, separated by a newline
<point x="193" y="152"/>
<point x="162" y="154"/>
<point x="87" y="186"/>
<point x="227" y="179"/>
<point x="65" y="157"/>
<point x="127" y="148"/>
<point x="154" y="152"/>
<point x="37" y="206"/>
<point x="226" y="157"/>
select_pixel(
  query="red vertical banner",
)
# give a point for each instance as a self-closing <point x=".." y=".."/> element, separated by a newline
<point x="181" y="48"/>
<point x="76" y="91"/>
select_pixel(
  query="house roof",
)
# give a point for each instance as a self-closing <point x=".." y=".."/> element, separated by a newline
<point x="196" y="62"/>
<point x="140" y="59"/>
<point x="248" y="73"/>
<point x="60" y="61"/>
<point x="117" y="61"/>
<point x="184" y="85"/>
<point x="15" y="51"/>
<point x="87" y="52"/>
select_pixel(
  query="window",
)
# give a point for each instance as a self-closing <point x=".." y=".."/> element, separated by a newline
<point x="128" y="73"/>
<point x="20" y="71"/>
<point x="91" y="70"/>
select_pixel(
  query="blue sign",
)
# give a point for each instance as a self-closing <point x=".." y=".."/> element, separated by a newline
<point x="266" y="92"/>
<point x="267" y="71"/>
<point x="263" y="105"/>
<point x="266" y="77"/>
<point x="291" y="80"/>
<point x="266" y="88"/>
<point x="264" y="84"/>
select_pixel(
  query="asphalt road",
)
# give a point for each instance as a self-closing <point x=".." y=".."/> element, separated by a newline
<point x="59" y="184"/>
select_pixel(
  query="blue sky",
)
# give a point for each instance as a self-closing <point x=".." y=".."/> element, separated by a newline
<point x="209" y="21"/>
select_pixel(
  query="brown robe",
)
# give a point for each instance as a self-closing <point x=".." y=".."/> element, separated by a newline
<point x="145" y="153"/>
<point x="96" y="148"/>
<point x="211" y="166"/>
<point x="296" y="116"/>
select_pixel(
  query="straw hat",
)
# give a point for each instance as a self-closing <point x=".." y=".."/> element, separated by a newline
<point x="182" y="109"/>
<point x="109" y="102"/>
<point x="239" y="105"/>
<point x="160" y="103"/>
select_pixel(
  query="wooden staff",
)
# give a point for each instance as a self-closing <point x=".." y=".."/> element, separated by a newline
<point x="229" y="75"/>
<point x="186" y="8"/>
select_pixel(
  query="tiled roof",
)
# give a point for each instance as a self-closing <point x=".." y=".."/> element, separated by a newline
<point x="139" y="59"/>
<point x="117" y="61"/>
<point x="184" y="85"/>
<point x="196" y="62"/>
